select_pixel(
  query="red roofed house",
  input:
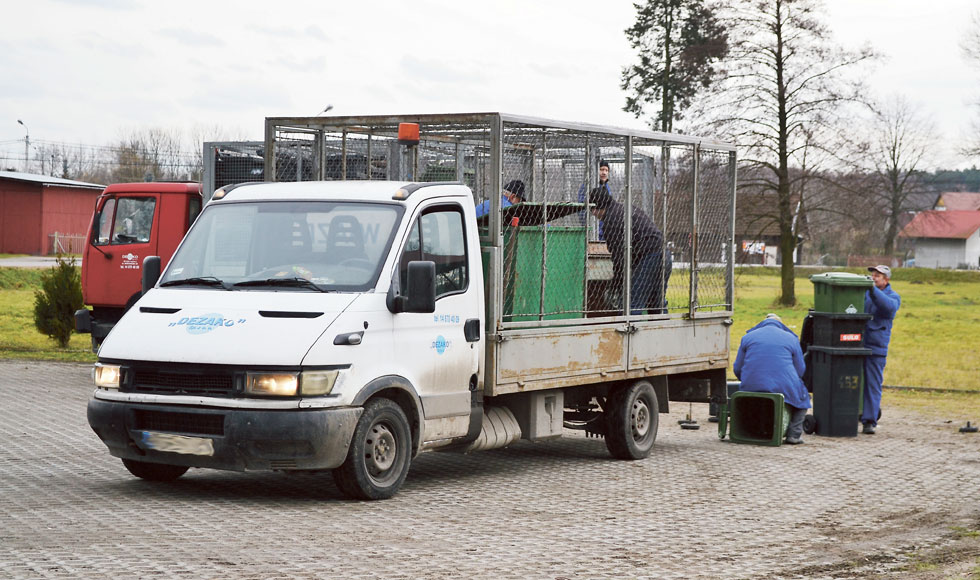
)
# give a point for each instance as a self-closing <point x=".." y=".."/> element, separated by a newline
<point x="945" y="238"/>
<point x="35" y="207"/>
<point x="958" y="200"/>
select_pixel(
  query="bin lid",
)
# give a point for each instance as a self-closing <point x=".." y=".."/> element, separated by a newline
<point x="840" y="351"/>
<point x="840" y="315"/>
<point x="842" y="279"/>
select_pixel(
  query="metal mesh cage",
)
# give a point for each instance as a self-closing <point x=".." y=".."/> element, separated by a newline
<point x="665" y="221"/>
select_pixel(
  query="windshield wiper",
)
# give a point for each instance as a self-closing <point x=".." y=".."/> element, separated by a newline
<point x="290" y="282"/>
<point x="198" y="281"/>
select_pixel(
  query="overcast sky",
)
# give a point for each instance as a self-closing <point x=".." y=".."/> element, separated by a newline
<point x="88" y="71"/>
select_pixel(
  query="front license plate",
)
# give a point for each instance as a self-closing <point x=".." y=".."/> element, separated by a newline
<point x="171" y="443"/>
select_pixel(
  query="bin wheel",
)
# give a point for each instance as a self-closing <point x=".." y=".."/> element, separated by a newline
<point x="809" y="424"/>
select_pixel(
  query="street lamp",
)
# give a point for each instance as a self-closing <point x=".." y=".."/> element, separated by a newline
<point x="325" y="110"/>
<point x="27" y="142"/>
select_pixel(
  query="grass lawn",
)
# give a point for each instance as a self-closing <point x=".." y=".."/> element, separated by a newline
<point x="933" y="341"/>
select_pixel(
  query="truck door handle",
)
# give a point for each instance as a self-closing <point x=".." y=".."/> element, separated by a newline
<point x="471" y="330"/>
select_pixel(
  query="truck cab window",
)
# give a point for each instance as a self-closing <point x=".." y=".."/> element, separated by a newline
<point x="104" y="228"/>
<point x="134" y="220"/>
<point x="438" y="236"/>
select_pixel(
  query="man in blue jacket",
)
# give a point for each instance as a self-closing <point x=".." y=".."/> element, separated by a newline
<point x="513" y="194"/>
<point x="770" y="360"/>
<point x="881" y="302"/>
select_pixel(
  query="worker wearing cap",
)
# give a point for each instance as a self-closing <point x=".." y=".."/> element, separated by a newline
<point x="770" y="360"/>
<point x="513" y="194"/>
<point x="604" y="184"/>
<point x="881" y="302"/>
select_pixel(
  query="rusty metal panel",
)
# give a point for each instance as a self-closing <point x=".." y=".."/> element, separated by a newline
<point x="529" y="355"/>
<point x="667" y="343"/>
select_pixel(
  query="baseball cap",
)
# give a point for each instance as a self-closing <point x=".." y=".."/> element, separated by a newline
<point x="516" y="187"/>
<point x="881" y="268"/>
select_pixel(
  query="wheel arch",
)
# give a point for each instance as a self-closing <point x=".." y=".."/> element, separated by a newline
<point x="403" y="393"/>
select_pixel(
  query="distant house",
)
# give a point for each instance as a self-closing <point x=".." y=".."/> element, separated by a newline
<point x="35" y="207"/>
<point x="958" y="200"/>
<point x="945" y="238"/>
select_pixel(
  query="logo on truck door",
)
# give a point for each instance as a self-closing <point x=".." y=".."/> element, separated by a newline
<point x="441" y="344"/>
<point x="130" y="261"/>
<point x="206" y="323"/>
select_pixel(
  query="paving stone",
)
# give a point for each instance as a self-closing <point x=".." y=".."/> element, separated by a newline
<point x="698" y="507"/>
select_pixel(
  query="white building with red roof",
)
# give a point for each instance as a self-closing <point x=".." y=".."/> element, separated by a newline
<point x="945" y="238"/>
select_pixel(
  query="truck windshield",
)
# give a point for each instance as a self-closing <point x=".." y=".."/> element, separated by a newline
<point x="280" y="245"/>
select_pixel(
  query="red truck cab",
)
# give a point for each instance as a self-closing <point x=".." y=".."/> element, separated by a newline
<point x="131" y="221"/>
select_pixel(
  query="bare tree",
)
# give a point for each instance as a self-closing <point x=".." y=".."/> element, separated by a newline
<point x="903" y="142"/>
<point x="785" y="94"/>
<point x="971" y="51"/>
<point x="152" y="154"/>
<point x="678" y="43"/>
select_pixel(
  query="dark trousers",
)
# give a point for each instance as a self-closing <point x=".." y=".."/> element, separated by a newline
<point x="648" y="285"/>
<point x="795" y="428"/>
<point x="874" y="374"/>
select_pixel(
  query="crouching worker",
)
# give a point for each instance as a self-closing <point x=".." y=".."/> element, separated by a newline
<point x="770" y="360"/>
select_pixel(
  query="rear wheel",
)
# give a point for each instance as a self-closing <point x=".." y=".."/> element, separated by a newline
<point x="380" y="453"/>
<point x="154" y="471"/>
<point x="632" y="419"/>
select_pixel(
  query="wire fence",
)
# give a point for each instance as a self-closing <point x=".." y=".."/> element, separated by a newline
<point x="567" y="240"/>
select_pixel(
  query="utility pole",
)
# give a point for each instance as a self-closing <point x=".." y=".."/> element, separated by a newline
<point x="27" y="143"/>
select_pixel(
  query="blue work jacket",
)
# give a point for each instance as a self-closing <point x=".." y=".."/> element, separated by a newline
<point x="882" y="306"/>
<point x="483" y="209"/>
<point x="770" y="360"/>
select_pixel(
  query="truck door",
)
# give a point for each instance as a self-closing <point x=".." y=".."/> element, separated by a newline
<point x="438" y="234"/>
<point x="123" y="233"/>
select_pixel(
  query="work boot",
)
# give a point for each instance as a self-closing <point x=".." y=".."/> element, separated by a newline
<point x="793" y="441"/>
<point x="869" y="429"/>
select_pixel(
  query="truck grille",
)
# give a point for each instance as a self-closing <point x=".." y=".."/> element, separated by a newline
<point x="202" y="384"/>
<point x="192" y="423"/>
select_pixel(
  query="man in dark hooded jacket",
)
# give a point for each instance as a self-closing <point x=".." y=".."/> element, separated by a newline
<point x="650" y="265"/>
<point x="770" y="360"/>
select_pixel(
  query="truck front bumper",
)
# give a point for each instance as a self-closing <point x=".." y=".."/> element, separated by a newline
<point x="225" y="438"/>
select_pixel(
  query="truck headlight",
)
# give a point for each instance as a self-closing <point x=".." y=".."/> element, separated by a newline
<point x="272" y="384"/>
<point x="313" y="383"/>
<point x="306" y="383"/>
<point x="106" y="376"/>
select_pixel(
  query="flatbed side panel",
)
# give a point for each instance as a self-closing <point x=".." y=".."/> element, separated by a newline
<point x="528" y="355"/>
<point x="595" y="378"/>
<point x="673" y="342"/>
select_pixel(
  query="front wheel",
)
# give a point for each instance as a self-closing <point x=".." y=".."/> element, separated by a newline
<point x="380" y="453"/>
<point x="632" y="419"/>
<point x="154" y="471"/>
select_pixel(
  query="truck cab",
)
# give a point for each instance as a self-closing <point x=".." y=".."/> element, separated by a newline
<point x="131" y="221"/>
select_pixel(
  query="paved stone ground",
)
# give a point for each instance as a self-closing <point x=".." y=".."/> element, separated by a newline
<point x="697" y="508"/>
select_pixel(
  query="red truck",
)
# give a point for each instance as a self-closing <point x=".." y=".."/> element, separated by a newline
<point x="131" y="221"/>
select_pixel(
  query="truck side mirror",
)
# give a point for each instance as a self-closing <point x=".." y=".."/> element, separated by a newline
<point x="420" y="290"/>
<point x="151" y="272"/>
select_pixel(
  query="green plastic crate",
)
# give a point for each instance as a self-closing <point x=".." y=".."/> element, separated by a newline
<point x="840" y="292"/>
<point x="757" y="418"/>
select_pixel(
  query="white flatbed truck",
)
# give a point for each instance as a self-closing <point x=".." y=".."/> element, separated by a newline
<point x="350" y="324"/>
